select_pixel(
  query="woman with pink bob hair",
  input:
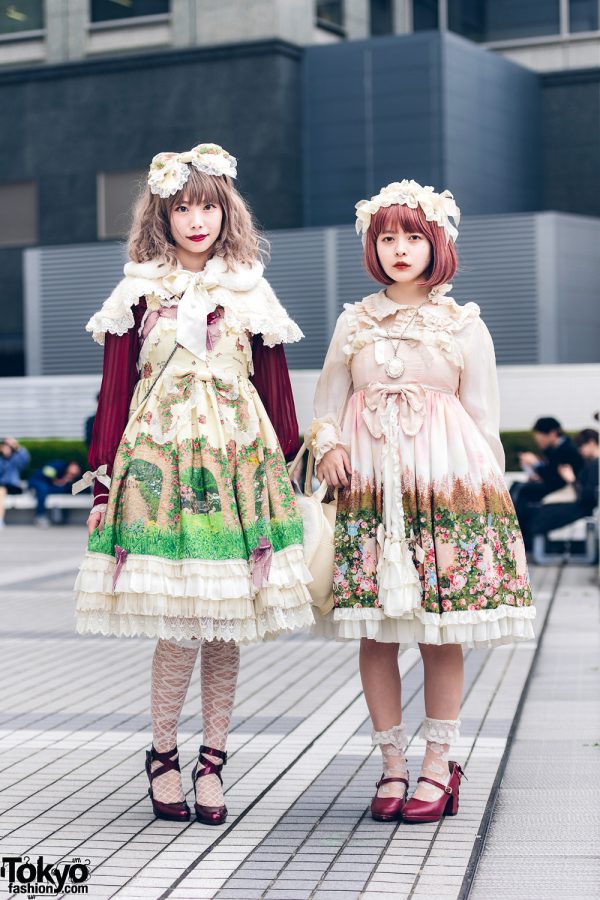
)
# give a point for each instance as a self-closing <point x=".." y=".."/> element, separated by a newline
<point x="428" y="550"/>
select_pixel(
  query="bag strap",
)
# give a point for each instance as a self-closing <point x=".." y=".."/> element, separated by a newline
<point x="310" y="464"/>
<point x="160" y="374"/>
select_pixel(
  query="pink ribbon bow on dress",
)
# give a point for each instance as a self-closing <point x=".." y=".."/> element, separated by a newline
<point x="260" y="562"/>
<point x="120" y="557"/>
<point x="163" y="312"/>
<point x="411" y="403"/>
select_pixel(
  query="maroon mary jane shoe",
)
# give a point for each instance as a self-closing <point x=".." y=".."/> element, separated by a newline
<point x="388" y="809"/>
<point x="446" y="805"/>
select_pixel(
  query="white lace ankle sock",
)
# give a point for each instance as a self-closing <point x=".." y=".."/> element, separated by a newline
<point x="439" y="734"/>
<point x="393" y="744"/>
<point x="172" y="668"/>
<point x="219" y="667"/>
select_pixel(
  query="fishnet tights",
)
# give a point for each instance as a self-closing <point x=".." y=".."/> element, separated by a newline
<point x="172" y="667"/>
<point x="220" y="664"/>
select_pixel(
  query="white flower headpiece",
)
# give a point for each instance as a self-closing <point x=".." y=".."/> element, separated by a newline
<point x="438" y="208"/>
<point x="169" y="171"/>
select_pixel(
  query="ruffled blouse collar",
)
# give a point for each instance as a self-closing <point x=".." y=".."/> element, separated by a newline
<point x="379" y="306"/>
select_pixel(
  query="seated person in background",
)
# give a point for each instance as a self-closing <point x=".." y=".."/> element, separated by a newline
<point x="13" y="459"/>
<point x="56" y="477"/>
<point x="554" y="515"/>
<point x="543" y="473"/>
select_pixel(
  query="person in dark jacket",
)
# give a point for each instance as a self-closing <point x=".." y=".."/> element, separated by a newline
<point x="13" y="459"/>
<point x="555" y="515"/>
<point x="56" y="477"/>
<point x="544" y="477"/>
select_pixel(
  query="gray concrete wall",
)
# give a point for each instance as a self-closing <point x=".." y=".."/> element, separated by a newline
<point x="571" y="141"/>
<point x="539" y="306"/>
<point x="428" y="106"/>
<point x="63" y="124"/>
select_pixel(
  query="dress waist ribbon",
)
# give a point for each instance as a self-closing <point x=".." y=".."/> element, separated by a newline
<point x="389" y="408"/>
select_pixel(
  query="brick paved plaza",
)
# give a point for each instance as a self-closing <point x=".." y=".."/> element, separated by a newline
<point x="74" y="725"/>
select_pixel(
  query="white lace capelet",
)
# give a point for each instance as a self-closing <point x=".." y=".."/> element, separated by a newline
<point x="247" y="299"/>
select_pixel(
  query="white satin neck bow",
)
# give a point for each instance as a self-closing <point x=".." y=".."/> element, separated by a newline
<point x="194" y="306"/>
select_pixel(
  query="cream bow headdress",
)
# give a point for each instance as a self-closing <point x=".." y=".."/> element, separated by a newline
<point x="169" y="171"/>
<point x="438" y="208"/>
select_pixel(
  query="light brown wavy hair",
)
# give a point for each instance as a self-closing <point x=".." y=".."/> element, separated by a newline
<point x="239" y="240"/>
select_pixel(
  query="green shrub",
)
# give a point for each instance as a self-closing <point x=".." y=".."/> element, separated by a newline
<point x="42" y="450"/>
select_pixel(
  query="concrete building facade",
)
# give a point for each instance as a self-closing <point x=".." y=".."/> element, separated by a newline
<point x="321" y="101"/>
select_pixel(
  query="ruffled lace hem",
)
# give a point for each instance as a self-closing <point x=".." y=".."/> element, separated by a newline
<point x="440" y="731"/>
<point x="470" y="628"/>
<point x="395" y="736"/>
<point x="265" y="626"/>
<point x="191" y="580"/>
<point x="185" y="599"/>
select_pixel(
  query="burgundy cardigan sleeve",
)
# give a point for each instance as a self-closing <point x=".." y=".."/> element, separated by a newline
<point x="119" y="377"/>
<point x="272" y="381"/>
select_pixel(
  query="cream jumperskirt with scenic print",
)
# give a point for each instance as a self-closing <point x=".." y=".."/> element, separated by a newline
<point x="202" y="538"/>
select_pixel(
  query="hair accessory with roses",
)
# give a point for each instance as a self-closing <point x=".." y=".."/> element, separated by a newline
<point x="438" y="208"/>
<point x="169" y="171"/>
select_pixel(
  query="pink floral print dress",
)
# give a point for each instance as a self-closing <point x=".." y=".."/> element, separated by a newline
<point x="427" y="545"/>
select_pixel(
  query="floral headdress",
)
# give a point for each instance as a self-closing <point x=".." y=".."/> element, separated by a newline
<point x="169" y="171"/>
<point x="438" y="208"/>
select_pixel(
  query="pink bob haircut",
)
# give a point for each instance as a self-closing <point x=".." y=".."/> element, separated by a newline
<point x="400" y="217"/>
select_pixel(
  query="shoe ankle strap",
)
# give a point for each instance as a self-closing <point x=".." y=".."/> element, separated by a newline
<point x="222" y="754"/>
<point x="165" y="758"/>
<point x="443" y="787"/>
<point x="389" y="781"/>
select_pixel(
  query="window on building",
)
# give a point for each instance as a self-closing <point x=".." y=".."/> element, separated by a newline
<point x="382" y="17"/>
<point x="583" y="15"/>
<point x="18" y="214"/>
<point x="108" y="10"/>
<point x="116" y="194"/>
<point x="21" y="15"/>
<point x="425" y="15"/>
<point x="330" y="14"/>
<point x="503" y="20"/>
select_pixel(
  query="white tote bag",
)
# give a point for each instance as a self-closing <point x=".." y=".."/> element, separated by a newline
<point x="319" y="528"/>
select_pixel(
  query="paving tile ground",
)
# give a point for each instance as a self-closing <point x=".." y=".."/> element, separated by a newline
<point x="74" y="725"/>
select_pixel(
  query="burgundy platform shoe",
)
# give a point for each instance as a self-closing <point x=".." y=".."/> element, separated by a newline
<point x="173" y="812"/>
<point x="388" y="809"/>
<point x="446" y="805"/>
<point x="209" y="815"/>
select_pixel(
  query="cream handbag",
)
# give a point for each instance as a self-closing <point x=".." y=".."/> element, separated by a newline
<point x="319" y="527"/>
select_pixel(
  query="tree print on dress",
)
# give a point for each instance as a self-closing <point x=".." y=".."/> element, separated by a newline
<point x="220" y="502"/>
<point x="474" y="557"/>
<point x="148" y="480"/>
<point x="199" y="492"/>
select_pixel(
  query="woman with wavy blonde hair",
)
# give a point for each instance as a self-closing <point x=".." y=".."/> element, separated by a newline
<point x="195" y="536"/>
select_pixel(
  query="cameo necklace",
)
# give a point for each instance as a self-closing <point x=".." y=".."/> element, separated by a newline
<point x="395" y="366"/>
